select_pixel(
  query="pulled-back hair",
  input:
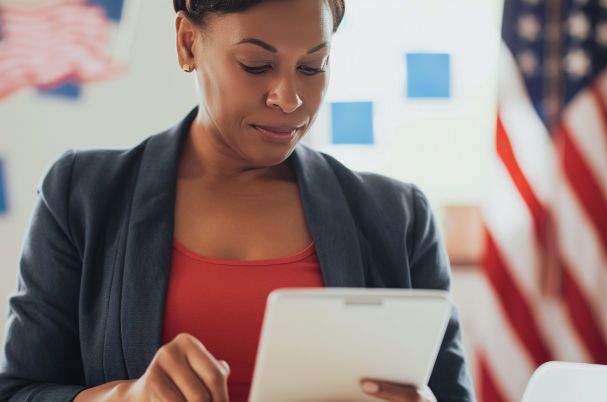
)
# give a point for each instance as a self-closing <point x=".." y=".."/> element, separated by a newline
<point x="196" y="10"/>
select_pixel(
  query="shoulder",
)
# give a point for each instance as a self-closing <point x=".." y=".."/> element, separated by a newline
<point x="93" y="168"/>
<point x="395" y="222"/>
<point x="366" y="189"/>
<point x="81" y="177"/>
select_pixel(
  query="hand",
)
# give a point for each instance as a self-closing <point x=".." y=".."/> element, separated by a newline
<point x="181" y="371"/>
<point x="396" y="392"/>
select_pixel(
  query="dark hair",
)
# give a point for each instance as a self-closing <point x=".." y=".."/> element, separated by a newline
<point x="196" y="10"/>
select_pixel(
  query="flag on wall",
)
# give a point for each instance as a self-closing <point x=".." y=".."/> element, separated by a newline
<point x="546" y="217"/>
<point x="50" y="43"/>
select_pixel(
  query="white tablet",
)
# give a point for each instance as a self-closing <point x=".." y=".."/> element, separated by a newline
<point x="317" y="344"/>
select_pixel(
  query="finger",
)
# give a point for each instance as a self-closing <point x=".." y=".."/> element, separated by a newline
<point x="184" y="377"/>
<point x="204" y="364"/>
<point x="162" y="387"/>
<point x="225" y="366"/>
<point x="427" y="394"/>
<point x="391" y="391"/>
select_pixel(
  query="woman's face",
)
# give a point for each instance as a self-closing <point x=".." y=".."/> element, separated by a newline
<point x="262" y="75"/>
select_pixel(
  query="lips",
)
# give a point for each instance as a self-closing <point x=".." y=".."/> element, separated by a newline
<point x="283" y="130"/>
<point x="277" y="134"/>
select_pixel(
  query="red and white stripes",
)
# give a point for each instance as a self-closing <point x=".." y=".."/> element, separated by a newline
<point x="546" y="220"/>
<point x="44" y="45"/>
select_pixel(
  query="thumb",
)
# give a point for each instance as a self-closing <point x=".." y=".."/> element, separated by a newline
<point x="225" y="366"/>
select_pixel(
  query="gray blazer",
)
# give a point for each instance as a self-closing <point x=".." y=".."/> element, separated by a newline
<point x="95" y="263"/>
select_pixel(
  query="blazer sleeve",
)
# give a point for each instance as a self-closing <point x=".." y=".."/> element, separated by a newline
<point x="41" y="358"/>
<point x="430" y="269"/>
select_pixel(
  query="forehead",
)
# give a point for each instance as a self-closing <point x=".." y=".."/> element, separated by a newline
<point x="285" y="24"/>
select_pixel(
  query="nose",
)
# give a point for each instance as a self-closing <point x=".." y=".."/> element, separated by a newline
<point x="284" y="95"/>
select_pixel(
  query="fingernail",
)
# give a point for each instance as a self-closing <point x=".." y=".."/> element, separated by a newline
<point x="370" y="387"/>
<point x="225" y="366"/>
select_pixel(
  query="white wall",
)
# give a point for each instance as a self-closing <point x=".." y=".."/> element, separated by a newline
<point x="34" y="130"/>
<point x="442" y="146"/>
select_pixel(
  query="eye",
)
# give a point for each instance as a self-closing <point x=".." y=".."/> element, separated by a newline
<point x="310" y="70"/>
<point x="262" y="69"/>
<point x="255" y="69"/>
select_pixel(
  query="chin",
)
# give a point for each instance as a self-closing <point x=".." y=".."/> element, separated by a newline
<point x="266" y="156"/>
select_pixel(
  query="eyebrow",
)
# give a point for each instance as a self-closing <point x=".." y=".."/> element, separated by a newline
<point x="272" y="49"/>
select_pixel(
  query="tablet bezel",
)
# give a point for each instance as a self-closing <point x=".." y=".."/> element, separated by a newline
<point x="352" y="297"/>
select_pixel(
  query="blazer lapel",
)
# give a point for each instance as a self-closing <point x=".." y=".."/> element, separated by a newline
<point x="330" y="220"/>
<point x="149" y="247"/>
<point x="150" y="237"/>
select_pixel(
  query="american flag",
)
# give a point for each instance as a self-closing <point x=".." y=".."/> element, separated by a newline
<point x="546" y="217"/>
<point x="48" y="43"/>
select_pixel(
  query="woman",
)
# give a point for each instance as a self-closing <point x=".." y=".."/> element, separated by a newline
<point x="145" y="271"/>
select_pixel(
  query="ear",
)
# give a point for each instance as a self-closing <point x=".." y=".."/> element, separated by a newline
<point x="186" y="37"/>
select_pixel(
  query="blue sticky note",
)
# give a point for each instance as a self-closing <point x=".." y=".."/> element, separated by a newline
<point x="3" y="204"/>
<point x="113" y="8"/>
<point x="428" y="75"/>
<point x="69" y="90"/>
<point x="352" y="122"/>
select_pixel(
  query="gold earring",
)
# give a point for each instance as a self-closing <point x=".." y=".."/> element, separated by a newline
<point x="187" y="68"/>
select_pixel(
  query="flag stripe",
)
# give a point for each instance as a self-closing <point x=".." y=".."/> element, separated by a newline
<point x="528" y="136"/>
<point x="514" y="303"/>
<point x="601" y="102"/>
<point x="511" y="225"/>
<point x="586" y="124"/>
<point x="583" y="182"/>
<point x="504" y="150"/>
<point x="579" y="246"/>
<point x="489" y="391"/>
<point x="600" y="92"/>
<point x="496" y="330"/>
<point x="560" y="332"/>
<point x="583" y="317"/>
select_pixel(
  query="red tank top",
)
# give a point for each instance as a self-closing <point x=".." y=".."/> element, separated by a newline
<point x="222" y="303"/>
